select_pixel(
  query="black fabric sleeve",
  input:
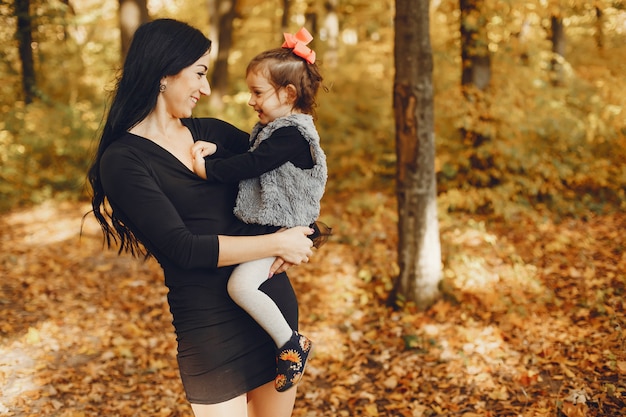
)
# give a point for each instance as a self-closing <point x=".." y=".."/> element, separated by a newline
<point x="150" y="214"/>
<point x="285" y="145"/>
<point x="230" y="140"/>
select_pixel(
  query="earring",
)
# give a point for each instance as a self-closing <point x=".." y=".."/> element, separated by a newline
<point x="162" y="87"/>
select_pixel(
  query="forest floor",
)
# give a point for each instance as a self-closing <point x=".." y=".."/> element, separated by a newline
<point x="531" y="322"/>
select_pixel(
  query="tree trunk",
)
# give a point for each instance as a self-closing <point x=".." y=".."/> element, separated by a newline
<point x="71" y="12"/>
<point x="310" y="21"/>
<point x="599" y="28"/>
<point x="284" y="21"/>
<point x="330" y="27"/>
<point x="557" y="36"/>
<point x="219" y="78"/>
<point x="214" y="22"/>
<point x="419" y="250"/>
<point x="132" y="14"/>
<point x="25" y="39"/>
<point x="475" y="57"/>
<point x="475" y="64"/>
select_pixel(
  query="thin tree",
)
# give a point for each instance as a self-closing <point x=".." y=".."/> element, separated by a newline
<point x="599" y="33"/>
<point x="311" y="17"/>
<point x="284" y="20"/>
<point x="557" y="37"/>
<point x="226" y="13"/>
<point x="69" y="11"/>
<point x="475" y="64"/>
<point x="212" y="7"/>
<point x="25" y="39"/>
<point x="419" y="247"/>
<point x="132" y="14"/>
<point x="475" y="56"/>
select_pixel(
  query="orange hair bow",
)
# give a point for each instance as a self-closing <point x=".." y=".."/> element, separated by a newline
<point x="298" y="43"/>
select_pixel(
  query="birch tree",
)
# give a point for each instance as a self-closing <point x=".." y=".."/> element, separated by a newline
<point x="419" y="247"/>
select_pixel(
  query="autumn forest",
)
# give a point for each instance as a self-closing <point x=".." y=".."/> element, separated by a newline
<point x="529" y="127"/>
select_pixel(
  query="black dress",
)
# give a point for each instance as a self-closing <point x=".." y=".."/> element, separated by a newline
<point x="222" y="351"/>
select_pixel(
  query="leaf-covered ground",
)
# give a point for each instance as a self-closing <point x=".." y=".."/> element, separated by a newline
<point x="531" y="322"/>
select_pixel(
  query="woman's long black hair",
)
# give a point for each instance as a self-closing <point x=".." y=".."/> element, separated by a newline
<point x="159" y="48"/>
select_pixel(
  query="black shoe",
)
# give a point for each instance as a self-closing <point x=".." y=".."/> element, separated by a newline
<point x="290" y="362"/>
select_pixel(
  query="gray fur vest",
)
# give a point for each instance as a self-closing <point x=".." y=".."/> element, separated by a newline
<point x="286" y="196"/>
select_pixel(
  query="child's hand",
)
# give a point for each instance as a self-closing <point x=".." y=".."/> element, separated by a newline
<point x="205" y="148"/>
<point x="199" y="150"/>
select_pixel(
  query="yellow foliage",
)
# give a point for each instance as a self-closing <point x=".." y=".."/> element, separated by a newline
<point x="540" y="147"/>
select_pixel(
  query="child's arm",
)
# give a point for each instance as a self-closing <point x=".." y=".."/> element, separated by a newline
<point x="199" y="150"/>
<point x="286" y="145"/>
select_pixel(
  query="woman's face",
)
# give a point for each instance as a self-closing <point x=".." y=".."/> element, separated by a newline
<point x="183" y="90"/>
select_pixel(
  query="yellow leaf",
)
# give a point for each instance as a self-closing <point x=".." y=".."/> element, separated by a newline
<point x="571" y="410"/>
<point x="500" y="394"/>
<point x="396" y="396"/>
<point x="391" y="383"/>
<point x="567" y="372"/>
<point x="371" y="410"/>
<point x="33" y="337"/>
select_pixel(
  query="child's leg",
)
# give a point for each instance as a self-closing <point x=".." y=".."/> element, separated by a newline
<point x="243" y="288"/>
<point x="292" y="348"/>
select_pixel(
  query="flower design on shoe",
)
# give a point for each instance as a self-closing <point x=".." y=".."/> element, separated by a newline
<point x="305" y="344"/>
<point x="291" y="356"/>
<point x="296" y="378"/>
<point x="280" y="381"/>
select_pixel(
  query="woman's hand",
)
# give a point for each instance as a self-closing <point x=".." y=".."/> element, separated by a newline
<point x="199" y="150"/>
<point x="279" y="266"/>
<point x="294" y="254"/>
<point x="295" y="245"/>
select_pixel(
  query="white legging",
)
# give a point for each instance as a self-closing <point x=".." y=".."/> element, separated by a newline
<point x="243" y="288"/>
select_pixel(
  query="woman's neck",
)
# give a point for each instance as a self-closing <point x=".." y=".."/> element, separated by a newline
<point x="158" y="128"/>
<point x="170" y="134"/>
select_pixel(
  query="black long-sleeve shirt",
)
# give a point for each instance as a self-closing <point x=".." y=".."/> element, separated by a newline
<point x="176" y="214"/>
<point x="286" y="145"/>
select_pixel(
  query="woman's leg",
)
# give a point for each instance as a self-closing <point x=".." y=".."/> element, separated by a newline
<point x="265" y="401"/>
<point x="243" y="288"/>
<point x="232" y="408"/>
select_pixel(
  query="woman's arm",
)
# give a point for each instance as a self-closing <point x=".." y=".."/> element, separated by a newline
<point x="238" y="249"/>
<point x="151" y="215"/>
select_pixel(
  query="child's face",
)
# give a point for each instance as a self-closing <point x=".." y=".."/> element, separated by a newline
<point x="266" y="100"/>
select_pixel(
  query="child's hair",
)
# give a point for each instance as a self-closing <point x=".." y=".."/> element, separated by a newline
<point x="282" y="67"/>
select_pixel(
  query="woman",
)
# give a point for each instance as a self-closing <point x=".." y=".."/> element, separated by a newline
<point x="143" y="170"/>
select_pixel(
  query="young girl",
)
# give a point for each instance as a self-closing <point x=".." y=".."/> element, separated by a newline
<point x="281" y="180"/>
